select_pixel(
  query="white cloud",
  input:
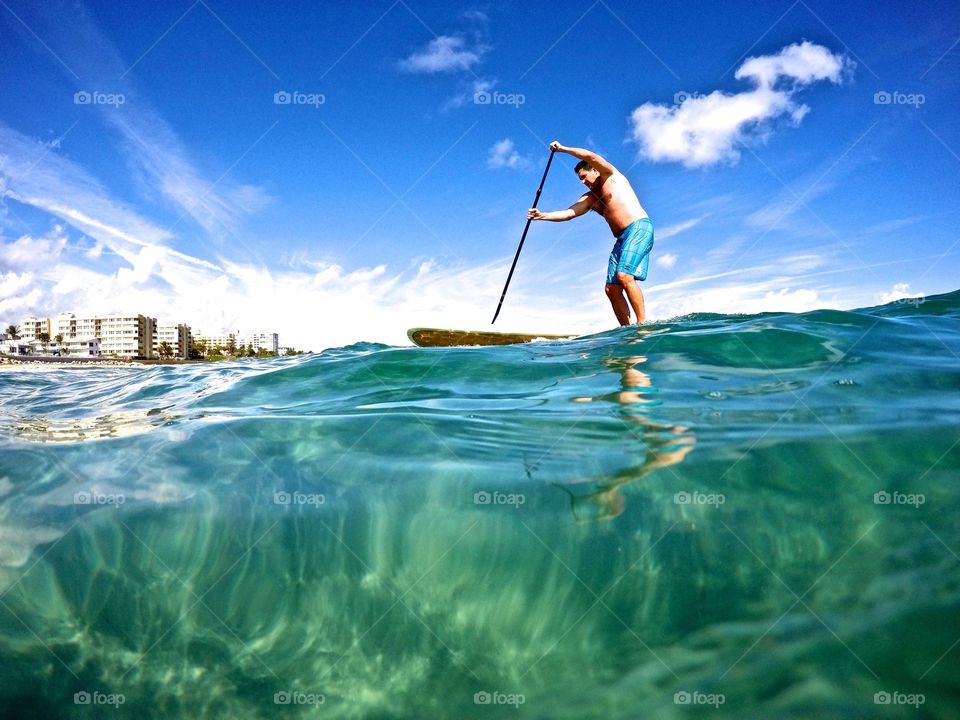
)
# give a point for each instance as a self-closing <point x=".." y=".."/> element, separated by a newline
<point x="16" y="301"/>
<point x="12" y="283"/>
<point x="503" y="154"/>
<point x="445" y="53"/>
<point x="311" y="304"/>
<point x="704" y="130"/>
<point x="748" y="298"/>
<point x="666" y="260"/>
<point x="26" y="251"/>
<point x="898" y="292"/>
<point x="311" y="307"/>
<point x="803" y="63"/>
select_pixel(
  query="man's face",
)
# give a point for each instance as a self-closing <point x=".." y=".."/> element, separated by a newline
<point x="588" y="176"/>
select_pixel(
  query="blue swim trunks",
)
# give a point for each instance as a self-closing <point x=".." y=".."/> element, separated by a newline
<point x="631" y="251"/>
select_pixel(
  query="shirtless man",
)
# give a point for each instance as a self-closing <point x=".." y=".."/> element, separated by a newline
<point x="610" y="195"/>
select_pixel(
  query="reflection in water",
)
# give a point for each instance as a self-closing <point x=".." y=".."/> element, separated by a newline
<point x="42" y="428"/>
<point x="665" y="444"/>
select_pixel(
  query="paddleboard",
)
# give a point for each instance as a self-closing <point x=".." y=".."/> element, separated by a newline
<point x="440" y="337"/>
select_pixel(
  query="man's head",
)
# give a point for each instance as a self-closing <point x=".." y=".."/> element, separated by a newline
<point x="587" y="174"/>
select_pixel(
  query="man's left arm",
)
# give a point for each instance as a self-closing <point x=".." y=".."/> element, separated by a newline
<point x="598" y="162"/>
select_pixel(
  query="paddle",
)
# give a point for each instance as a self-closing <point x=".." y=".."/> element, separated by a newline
<point x="523" y="237"/>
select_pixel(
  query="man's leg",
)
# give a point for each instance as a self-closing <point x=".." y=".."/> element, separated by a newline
<point x="634" y="295"/>
<point x="619" y="303"/>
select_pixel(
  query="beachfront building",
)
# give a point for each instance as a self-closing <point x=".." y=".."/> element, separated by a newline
<point x="73" y="328"/>
<point x="261" y="341"/>
<point x="222" y="340"/>
<point x="120" y="335"/>
<point x="80" y="347"/>
<point x="32" y="327"/>
<point x="258" y="341"/>
<point x="14" y="347"/>
<point x="176" y="335"/>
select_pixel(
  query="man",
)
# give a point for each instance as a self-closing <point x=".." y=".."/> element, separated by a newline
<point x="609" y="193"/>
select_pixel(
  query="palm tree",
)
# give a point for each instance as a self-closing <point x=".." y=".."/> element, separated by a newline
<point x="44" y="338"/>
<point x="165" y="350"/>
<point x="13" y="331"/>
<point x="198" y="348"/>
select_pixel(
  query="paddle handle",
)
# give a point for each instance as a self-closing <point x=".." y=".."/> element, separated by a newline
<point x="523" y="237"/>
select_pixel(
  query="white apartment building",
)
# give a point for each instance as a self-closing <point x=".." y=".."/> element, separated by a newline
<point x="87" y="347"/>
<point x="258" y="341"/>
<point x="122" y="335"/>
<point x="176" y="335"/>
<point x="261" y="341"/>
<point x="222" y="339"/>
<point x="31" y="327"/>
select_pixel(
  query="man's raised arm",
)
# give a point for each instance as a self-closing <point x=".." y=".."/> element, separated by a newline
<point x="596" y="161"/>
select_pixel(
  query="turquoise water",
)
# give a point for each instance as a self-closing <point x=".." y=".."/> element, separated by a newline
<point x="718" y="516"/>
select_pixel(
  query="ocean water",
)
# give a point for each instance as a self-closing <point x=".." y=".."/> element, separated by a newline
<point x="713" y="517"/>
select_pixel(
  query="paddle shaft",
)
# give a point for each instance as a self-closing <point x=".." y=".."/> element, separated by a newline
<point x="523" y="237"/>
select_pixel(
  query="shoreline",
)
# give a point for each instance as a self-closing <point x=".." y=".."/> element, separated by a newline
<point x="85" y="361"/>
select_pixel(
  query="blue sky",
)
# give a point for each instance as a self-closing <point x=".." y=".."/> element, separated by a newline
<point x="792" y="155"/>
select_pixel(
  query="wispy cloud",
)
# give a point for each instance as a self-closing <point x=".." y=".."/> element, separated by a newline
<point x="154" y="151"/>
<point x="215" y="204"/>
<point x="703" y="130"/>
<point x="445" y="53"/>
<point x="471" y="93"/>
<point x="56" y="185"/>
<point x="680" y="227"/>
